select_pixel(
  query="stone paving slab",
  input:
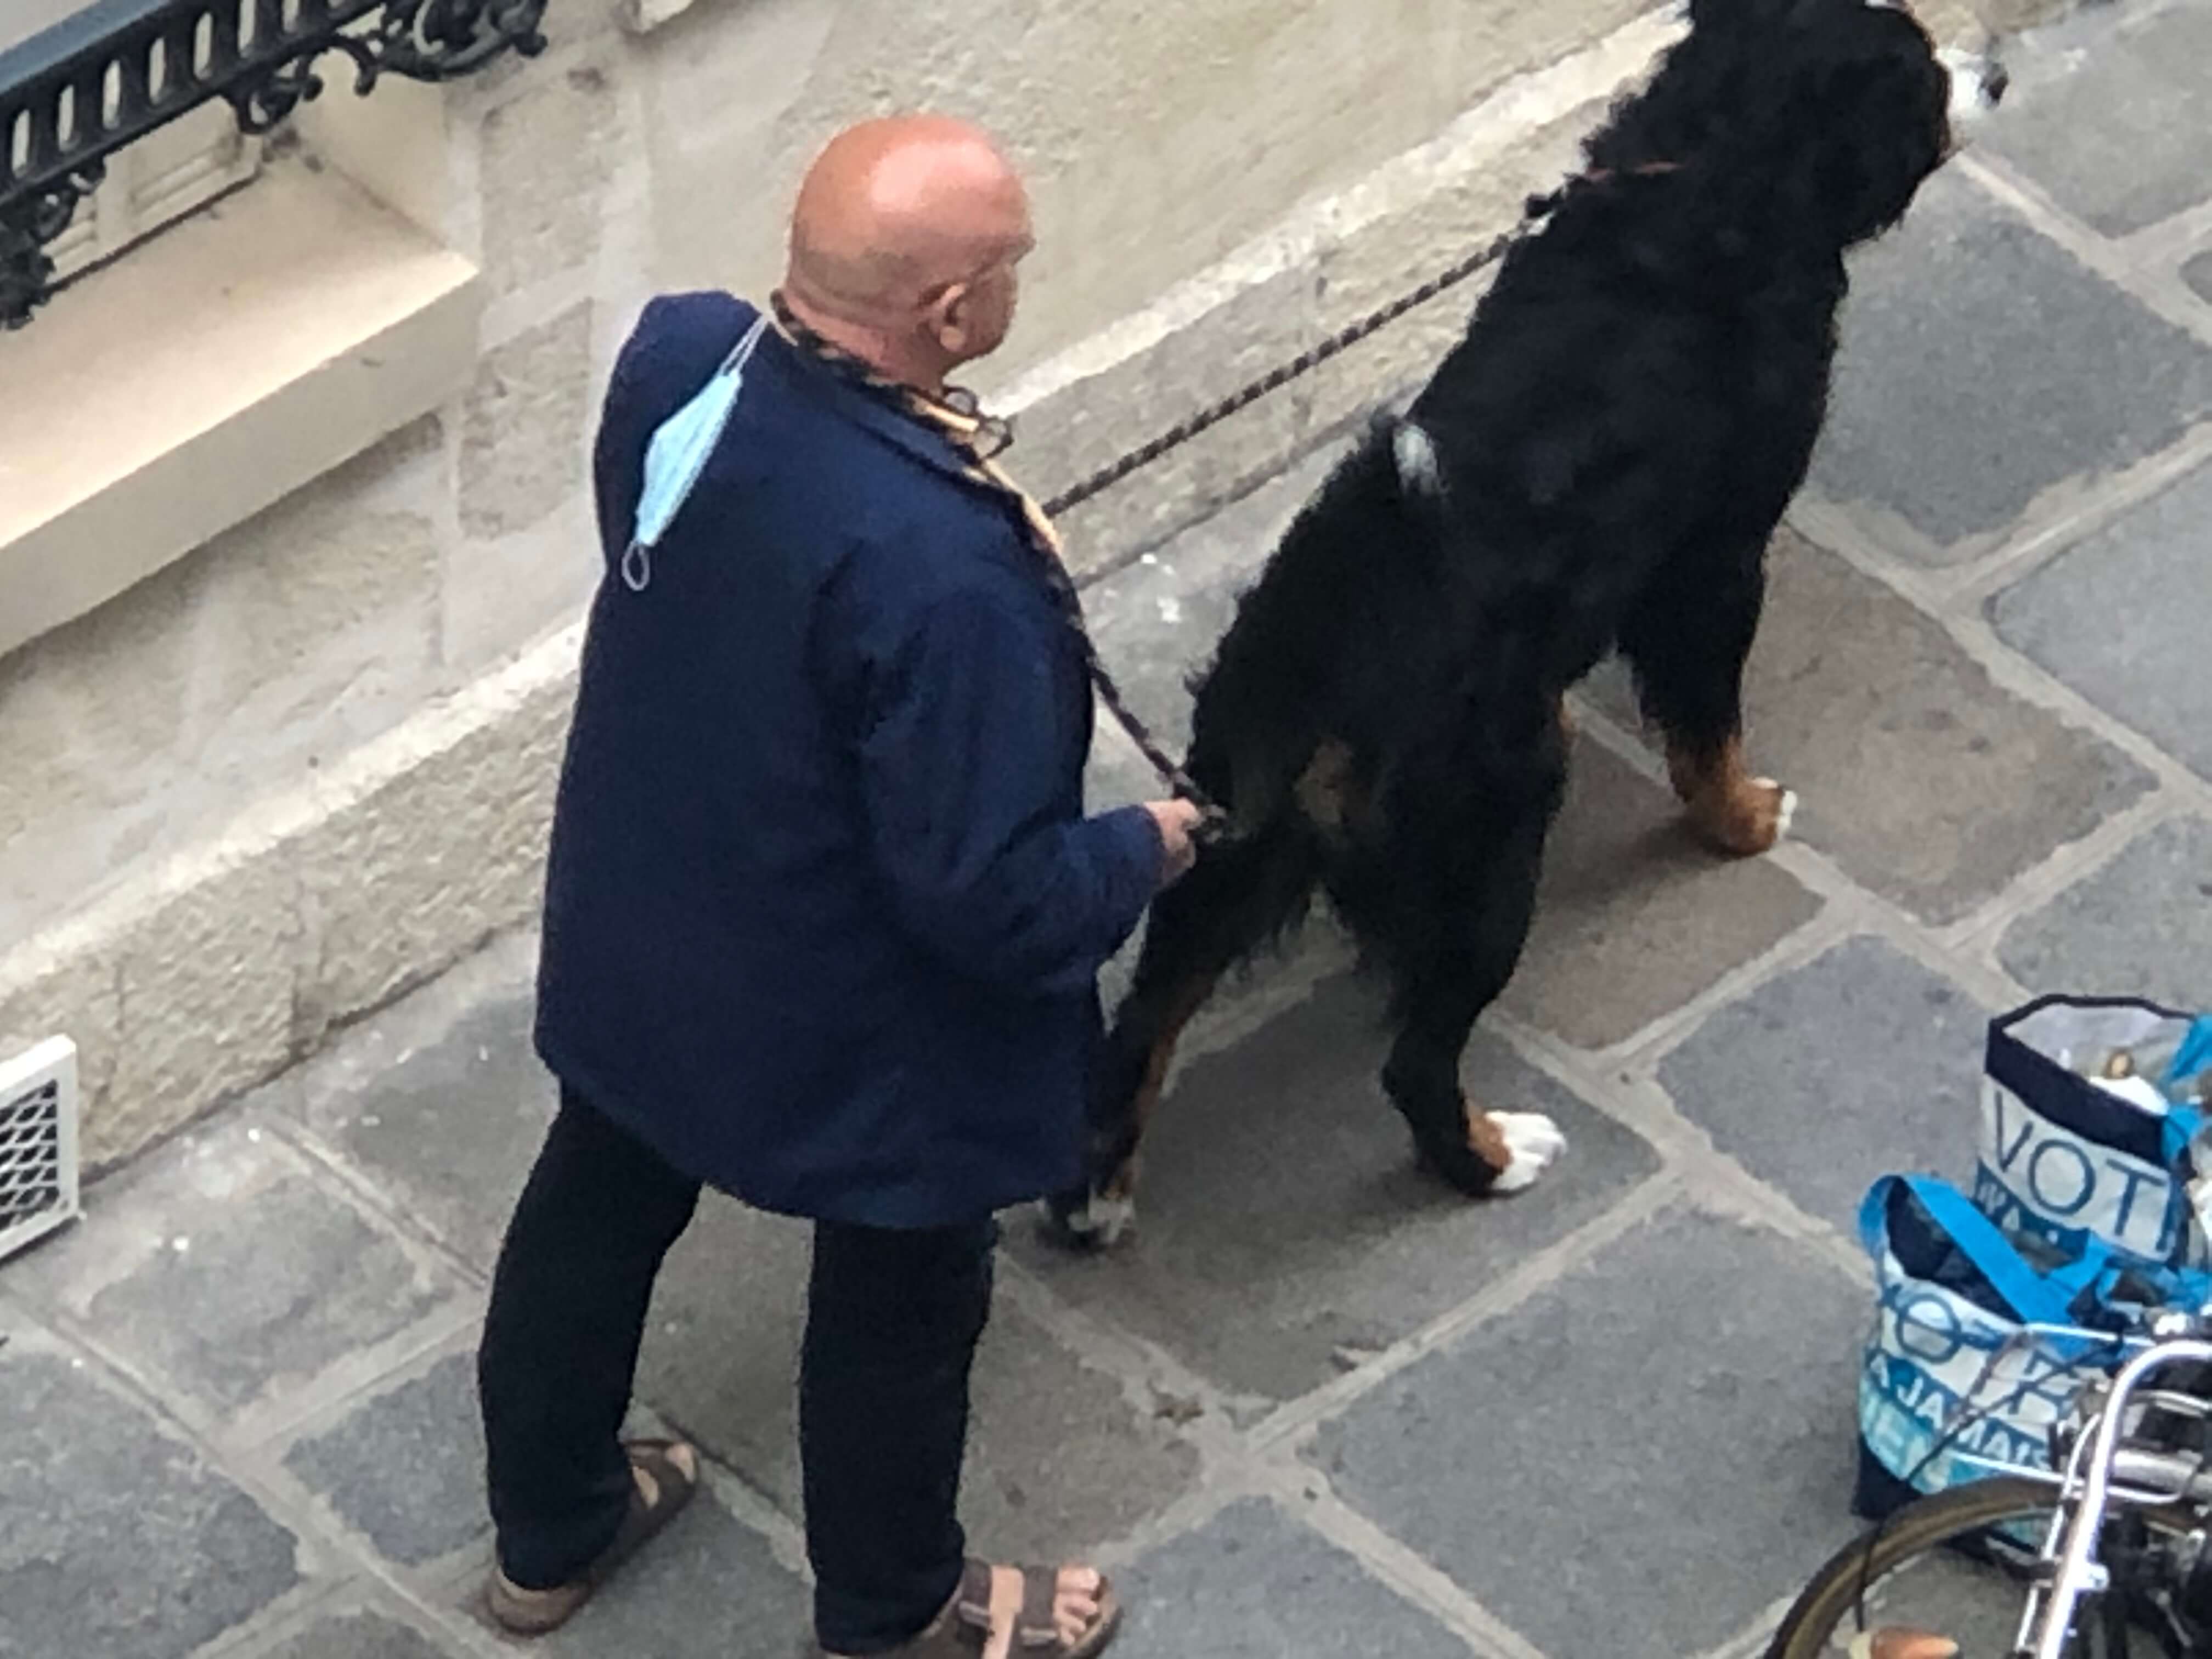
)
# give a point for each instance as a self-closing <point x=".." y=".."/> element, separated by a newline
<point x="1063" y="1457"/>
<point x="117" y="1537"/>
<point x="1253" y="1583"/>
<point x="2126" y="618"/>
<point x="1634" y="916"/>
<point x="721" y="1343"/>
<point x="1983" y="372"/>
<point x="708" y="1584"/>
<point x="404" y="1467"/>
<point x="1860" y="1064"/>
<point x="356" y="1633"/>
<point x="2197" y="273"/>
<point x="233" y="1271"/>
<point x="1284" y="1229"/>
<point x="450" y="1132"/>
<point x="1059" y="1458"/>
<point x="1907" y="757"/>
<point x="2140" y="927"/>
<point x="2105" y="115"/>
<point x="1639" y="1460"/>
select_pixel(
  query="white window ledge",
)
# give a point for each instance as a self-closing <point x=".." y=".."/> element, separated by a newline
<point x="208" y="373"/>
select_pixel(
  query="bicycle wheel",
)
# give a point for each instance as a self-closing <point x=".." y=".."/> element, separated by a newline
<point x="1940" y="1567"/>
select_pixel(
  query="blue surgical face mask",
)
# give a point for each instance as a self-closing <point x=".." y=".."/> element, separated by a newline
<point x="677" y="454"/>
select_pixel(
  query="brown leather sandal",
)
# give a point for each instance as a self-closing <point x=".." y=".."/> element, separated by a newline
<point x="664" y="1476"/>
<point x="963" y="1629"/>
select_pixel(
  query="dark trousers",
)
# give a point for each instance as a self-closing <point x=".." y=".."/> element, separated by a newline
<point x="892" y="1321"/>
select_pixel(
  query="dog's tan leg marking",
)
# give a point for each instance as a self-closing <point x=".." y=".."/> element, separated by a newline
<point x="1487" y="1137"/>
<point x="1734" y="810"/>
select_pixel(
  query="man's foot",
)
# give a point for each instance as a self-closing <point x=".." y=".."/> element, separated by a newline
<point x="1020" y="1613"/>
<point x="1897" y="1643"/>
<point x="1078" y="1599"/>
<point x="665" y="1473"/>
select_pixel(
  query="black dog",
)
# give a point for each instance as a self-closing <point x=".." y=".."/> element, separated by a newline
<point x="1598" y="465"/>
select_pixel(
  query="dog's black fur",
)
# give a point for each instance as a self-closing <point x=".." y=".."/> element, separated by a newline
<point x="1599" y="463"/>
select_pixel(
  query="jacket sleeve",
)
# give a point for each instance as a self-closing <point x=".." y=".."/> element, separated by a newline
<point x="963" y="773"/>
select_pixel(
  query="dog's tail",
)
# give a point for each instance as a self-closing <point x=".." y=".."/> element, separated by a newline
<point x="1419" y="469"/>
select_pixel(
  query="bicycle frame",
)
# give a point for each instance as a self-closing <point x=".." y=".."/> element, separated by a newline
<point x="2099" y="1473"/>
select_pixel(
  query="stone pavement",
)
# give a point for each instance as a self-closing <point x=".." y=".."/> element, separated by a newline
<point x="1319" y="1406"/>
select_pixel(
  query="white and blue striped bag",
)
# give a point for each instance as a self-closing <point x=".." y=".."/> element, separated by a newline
<point x="1950" y="1375"/>
<point x="2066" y="1161"/>
<point x="2085" y="1214"/>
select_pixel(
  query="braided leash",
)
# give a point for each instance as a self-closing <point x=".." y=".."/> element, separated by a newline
<point x="1304" y="363"/>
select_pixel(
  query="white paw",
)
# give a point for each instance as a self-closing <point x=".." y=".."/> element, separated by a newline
<point x="1788" y="814"/>
<point x="1101" y="1220"/>
<point x="1535" y="1143"/>
<point x="1978" y="83"/>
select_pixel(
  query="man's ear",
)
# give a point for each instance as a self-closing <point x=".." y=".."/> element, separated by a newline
<point x="948" y="315"/>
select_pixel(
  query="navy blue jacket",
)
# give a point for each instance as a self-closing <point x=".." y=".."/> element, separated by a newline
<point x="823" y="916"/>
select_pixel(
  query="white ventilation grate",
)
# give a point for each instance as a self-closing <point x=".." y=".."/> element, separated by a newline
<point x="38" y="1143"/>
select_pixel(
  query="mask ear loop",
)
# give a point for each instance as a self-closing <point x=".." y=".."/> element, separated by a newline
<point x="683" y="443"/>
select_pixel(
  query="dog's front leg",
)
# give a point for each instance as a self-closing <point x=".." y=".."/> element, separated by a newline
<point x="1731" y="809"/>
<point x="1687" y="640"/>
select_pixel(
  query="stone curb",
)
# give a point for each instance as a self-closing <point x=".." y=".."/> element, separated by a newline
<point x="223" y="966"/>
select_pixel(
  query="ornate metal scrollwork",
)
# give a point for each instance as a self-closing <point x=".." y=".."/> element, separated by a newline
<point x="26" y="231"/>
<point x="440" y="40"/>
<point x="74" y="95"/>
<point x="262" y="102"/>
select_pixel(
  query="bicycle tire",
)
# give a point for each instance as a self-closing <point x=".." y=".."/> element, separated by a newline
<point x="1927" y="1524"/>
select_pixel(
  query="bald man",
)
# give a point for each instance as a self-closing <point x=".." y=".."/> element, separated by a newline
<point x="824" y="913"/>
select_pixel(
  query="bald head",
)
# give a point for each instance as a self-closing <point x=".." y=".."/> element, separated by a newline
<point x="897" y="214"/>
<point x="892" y="209"/>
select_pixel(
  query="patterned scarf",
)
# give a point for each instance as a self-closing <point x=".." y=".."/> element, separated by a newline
<point x="979" y="438"/>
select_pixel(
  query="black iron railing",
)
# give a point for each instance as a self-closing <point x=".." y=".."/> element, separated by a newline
<point x="71" y="97"/>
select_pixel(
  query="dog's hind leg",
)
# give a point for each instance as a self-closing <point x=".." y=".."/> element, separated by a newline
<point x="1451" y="957"/>
<point x="1239" y="895"/>
<point x="1686" y="639"/>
